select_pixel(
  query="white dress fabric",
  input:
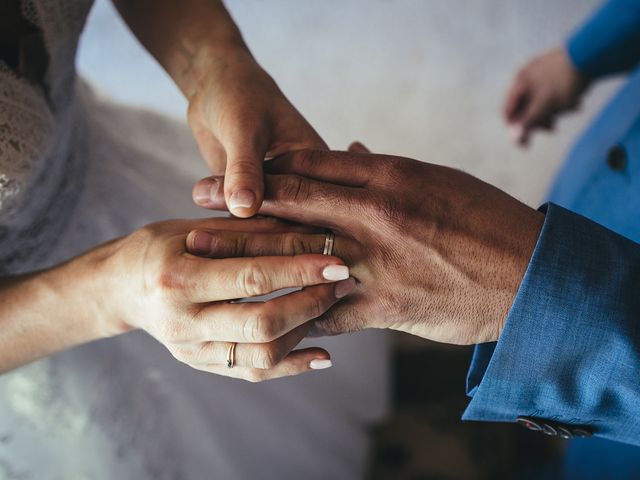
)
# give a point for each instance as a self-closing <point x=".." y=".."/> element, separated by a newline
<point x="75" y="171"/>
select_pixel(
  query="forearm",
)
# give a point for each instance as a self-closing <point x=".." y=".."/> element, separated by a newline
<point x="609" y="41"/>
<point x="52" y="310"/>
<point x="190" y="38"/>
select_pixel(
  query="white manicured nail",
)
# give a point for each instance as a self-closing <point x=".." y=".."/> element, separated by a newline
<point x="320" y="364"/>
<point x="335" y="272"/>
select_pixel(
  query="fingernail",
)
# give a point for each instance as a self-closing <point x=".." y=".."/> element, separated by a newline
<point x="344" y="288"/>
<point x="205" y="191"/>
<point x="242" y="199"/>
<point x="200" y="243"/>
<point x="335" y="272"/>
<point x="320" y="363"/>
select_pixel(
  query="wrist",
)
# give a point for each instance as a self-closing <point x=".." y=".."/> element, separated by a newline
<point x="86" y="286"/>
<point x="578" y="81"/>
<point x="212" y="62"/>
<point x="530" y="226"/>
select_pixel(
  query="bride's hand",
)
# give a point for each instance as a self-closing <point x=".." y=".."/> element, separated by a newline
<point x="239" y="116"/>
<point x="184" y="300"/>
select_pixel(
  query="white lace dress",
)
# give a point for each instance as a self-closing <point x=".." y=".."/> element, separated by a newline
<point x="75" y="171"/>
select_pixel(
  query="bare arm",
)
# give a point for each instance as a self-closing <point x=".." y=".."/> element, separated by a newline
<point x="237" y="113"/>
<point x="187" y="38"/>
<point x="147" y="280"/>
<point x="51" y="310"/>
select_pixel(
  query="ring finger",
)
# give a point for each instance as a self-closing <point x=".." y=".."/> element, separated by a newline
<point x="231" y="244"/>
<point x="262" y="356"/>
<point x="295" y="363"/>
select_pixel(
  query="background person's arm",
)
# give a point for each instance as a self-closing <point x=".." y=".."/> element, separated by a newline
<point x="237" y="113"/>
<point x="554" y="82"/>
<point x="609" y="41"/>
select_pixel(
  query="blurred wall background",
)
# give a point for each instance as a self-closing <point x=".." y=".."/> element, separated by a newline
<point x="419" y="78"/>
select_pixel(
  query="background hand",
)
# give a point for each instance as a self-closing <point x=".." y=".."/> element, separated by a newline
<point x="545" y="87"/>
<point x="436" y="252"/>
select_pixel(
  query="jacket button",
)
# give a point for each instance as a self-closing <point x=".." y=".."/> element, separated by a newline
<point x="617" y="158"/>
<point x="564" y="433"/>
<point x="529" y="424"/>
<point x="549" y="430"/>
<point x="580" y="433"/>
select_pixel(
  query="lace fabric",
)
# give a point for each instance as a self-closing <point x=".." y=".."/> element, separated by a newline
<point x="77" y="171"/>
<point x="41" y="148"/>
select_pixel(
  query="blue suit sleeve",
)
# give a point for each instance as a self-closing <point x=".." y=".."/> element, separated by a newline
<point x="609" y="41"/>
<point x="570" y="348"/>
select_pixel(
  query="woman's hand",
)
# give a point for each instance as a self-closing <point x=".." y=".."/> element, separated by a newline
<point x="147" y="280"/>
<point x="545" y="87"/>
<point x="436" y="252"/>
<point x="239" y="117"/>
<point x="237" y="113"/>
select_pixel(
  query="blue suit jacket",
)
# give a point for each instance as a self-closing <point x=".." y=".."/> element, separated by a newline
<point x="570" y="349"/>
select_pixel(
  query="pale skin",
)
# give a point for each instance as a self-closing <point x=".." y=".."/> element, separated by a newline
<point x="544" y="88"/>
<point x="237" y="113"/>
<point x="436" y="252"/>
<point x="146" y="280"/>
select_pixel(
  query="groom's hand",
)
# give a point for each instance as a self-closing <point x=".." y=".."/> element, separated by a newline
<point x="436" y="252"/>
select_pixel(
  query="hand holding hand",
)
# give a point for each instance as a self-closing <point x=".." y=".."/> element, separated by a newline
<point x="436" y="252"/>
<point x="184" y="301"/>
<point x="543" y="88"/>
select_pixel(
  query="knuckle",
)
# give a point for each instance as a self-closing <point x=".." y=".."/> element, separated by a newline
<point x="316" y="307"/>
<point x="386" y="211"/>
<point x="244" y="166"/>
<point x="307" y="158"/>
<point x="295" y="189"/>
<point x="182" y="354"/>
<point x="172" y="331"/>
<point x="259" y="328"/>
<point x="224" y="246"/>
<point x="264" y="358"/>
<point x="295" y="244"/>
<point x="253" y="281"/>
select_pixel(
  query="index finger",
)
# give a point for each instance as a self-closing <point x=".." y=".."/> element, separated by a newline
<point x="297" y="198"/>
<point x="207" y="280"/>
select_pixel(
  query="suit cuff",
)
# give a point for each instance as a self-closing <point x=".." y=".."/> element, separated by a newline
<point x="569" y="350"/>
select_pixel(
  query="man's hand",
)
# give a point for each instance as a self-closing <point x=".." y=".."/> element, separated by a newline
<point x="436" y="252"/>
<point x="543" y="88"/>
<point x="239" y="117"/>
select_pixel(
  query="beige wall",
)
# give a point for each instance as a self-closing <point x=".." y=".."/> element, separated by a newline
<point x="423" y="79"/>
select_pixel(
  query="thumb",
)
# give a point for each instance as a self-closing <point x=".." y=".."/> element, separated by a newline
<point x="244" y="180"/>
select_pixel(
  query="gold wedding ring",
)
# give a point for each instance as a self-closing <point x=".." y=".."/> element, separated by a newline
<point x="231" y="355"/>
<point x="329" y="239"/>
